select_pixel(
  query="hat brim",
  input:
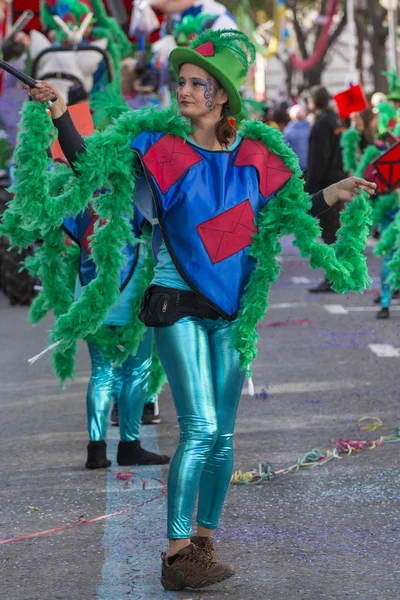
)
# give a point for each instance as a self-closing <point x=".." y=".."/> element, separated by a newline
<point x="181" y="56"/>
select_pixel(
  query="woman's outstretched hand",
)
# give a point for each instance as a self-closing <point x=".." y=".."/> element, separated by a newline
<point x="347" y="189"/>
<point x="44" y="92"/>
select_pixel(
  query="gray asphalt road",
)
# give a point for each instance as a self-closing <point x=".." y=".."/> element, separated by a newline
<point x="330" y="532"/>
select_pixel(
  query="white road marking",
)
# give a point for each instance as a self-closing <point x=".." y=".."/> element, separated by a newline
<point x="339" y="309"/>
<point x="300" y="280"/>
<point x="384" y="350"/>
<point x="369" y="308"/>
<point x="289" y="304"/>
<point x="336" y="309"/>
<point x="302" y="387"/>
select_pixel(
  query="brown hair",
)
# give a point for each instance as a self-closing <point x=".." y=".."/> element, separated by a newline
<point x="224" y="130"/>
<point x="370" y="132"/>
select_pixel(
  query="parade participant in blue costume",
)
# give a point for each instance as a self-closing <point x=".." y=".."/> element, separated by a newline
<point x="377" y="128"/>
<point x="218" y="201"/>
<point x="132" y="376"/>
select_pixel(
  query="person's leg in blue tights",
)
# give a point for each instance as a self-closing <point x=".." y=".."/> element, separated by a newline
<point x="98" y="399"/>
<point x="98" y="396"/>
<point x="136" y="371"/>
<point x="200" y="362"/>
<point x="228" y="381"/>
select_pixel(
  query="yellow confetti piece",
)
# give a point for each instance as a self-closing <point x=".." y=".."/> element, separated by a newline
<point x="34" y="508"/>
<point x="376" y="423"/>
<point x="241" y="476"/>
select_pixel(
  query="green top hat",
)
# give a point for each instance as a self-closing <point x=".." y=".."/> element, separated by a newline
<point x="219" y="52"/>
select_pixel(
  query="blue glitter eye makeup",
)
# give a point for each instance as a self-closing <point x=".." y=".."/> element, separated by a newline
<point x="199" y="82"/>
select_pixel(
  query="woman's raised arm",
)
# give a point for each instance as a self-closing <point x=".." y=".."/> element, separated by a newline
<point x="71" y="142"/>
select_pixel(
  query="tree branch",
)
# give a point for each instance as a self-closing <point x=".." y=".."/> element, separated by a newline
<point x="364" y="29"/>
<point x="338" y="31"/>
<point x="319" y="26"/>
<point x="300" y="37"/>
<point x="377" y="21"/>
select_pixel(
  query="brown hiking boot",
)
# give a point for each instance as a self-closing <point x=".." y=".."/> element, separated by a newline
<point x="192" y="567"/>
<point x="206" y="544"/>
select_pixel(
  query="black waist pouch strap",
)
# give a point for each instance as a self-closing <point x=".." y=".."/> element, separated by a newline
<point x="161" y="306"/>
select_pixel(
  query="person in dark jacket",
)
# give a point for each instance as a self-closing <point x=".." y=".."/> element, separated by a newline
<point x="324" y="166"/>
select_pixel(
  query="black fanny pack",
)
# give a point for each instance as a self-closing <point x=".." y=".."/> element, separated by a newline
<point x="161" y="306"/>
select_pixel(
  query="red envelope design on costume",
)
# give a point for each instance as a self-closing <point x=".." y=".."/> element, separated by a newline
<point x="371" y="174"/>
<point x="388" y="167"/>
<point x="228" y="233"/>
<point x="272" y="171"/>
<point x="169" y="159"/>
<point x="89" y="231"/>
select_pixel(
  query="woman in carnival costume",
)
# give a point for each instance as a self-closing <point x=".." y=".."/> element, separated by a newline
<point x="218" y="200"/>
<point x="371" y="134"/>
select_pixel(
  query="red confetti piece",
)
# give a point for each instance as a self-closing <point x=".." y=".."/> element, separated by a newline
<point x="124" y="476"/>
<point x="287" y="323"/>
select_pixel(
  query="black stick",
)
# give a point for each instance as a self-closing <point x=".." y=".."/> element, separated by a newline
<point x="20" y="75"/>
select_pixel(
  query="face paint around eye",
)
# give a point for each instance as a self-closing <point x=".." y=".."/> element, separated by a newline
<point x="199" y="82"/>
<point x="209" y="93"/>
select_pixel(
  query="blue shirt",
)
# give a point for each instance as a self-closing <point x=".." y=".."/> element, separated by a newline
<point x="297" y="134"/>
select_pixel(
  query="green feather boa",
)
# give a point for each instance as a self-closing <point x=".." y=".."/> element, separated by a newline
<point x="287" y="213"/>
<point x="350" y="143"/>
<point x="390" y="241"/>
<point x="369" y="154"/>
<point x="390" y="244"/>
<point x="108" y="162"/>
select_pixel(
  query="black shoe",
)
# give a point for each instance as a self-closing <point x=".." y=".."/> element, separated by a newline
<point x="97" y="456"/>
<point x="377" y="299"/>
<point x="131" y="453"/>
<point x="322" y="288"/>
<point x="114" y="416"/>
<point x="151" y="414"/>
<point x="383" y="314"/>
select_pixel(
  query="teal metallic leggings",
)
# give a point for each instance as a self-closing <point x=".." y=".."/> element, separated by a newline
<point x="386" y="290"/>
<point x="132" y="397"/>
<point x="206" y="382"/>
<point x="117" y="387"/>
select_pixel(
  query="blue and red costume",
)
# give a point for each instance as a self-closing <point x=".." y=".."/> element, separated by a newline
<point x="204" y="205"/>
